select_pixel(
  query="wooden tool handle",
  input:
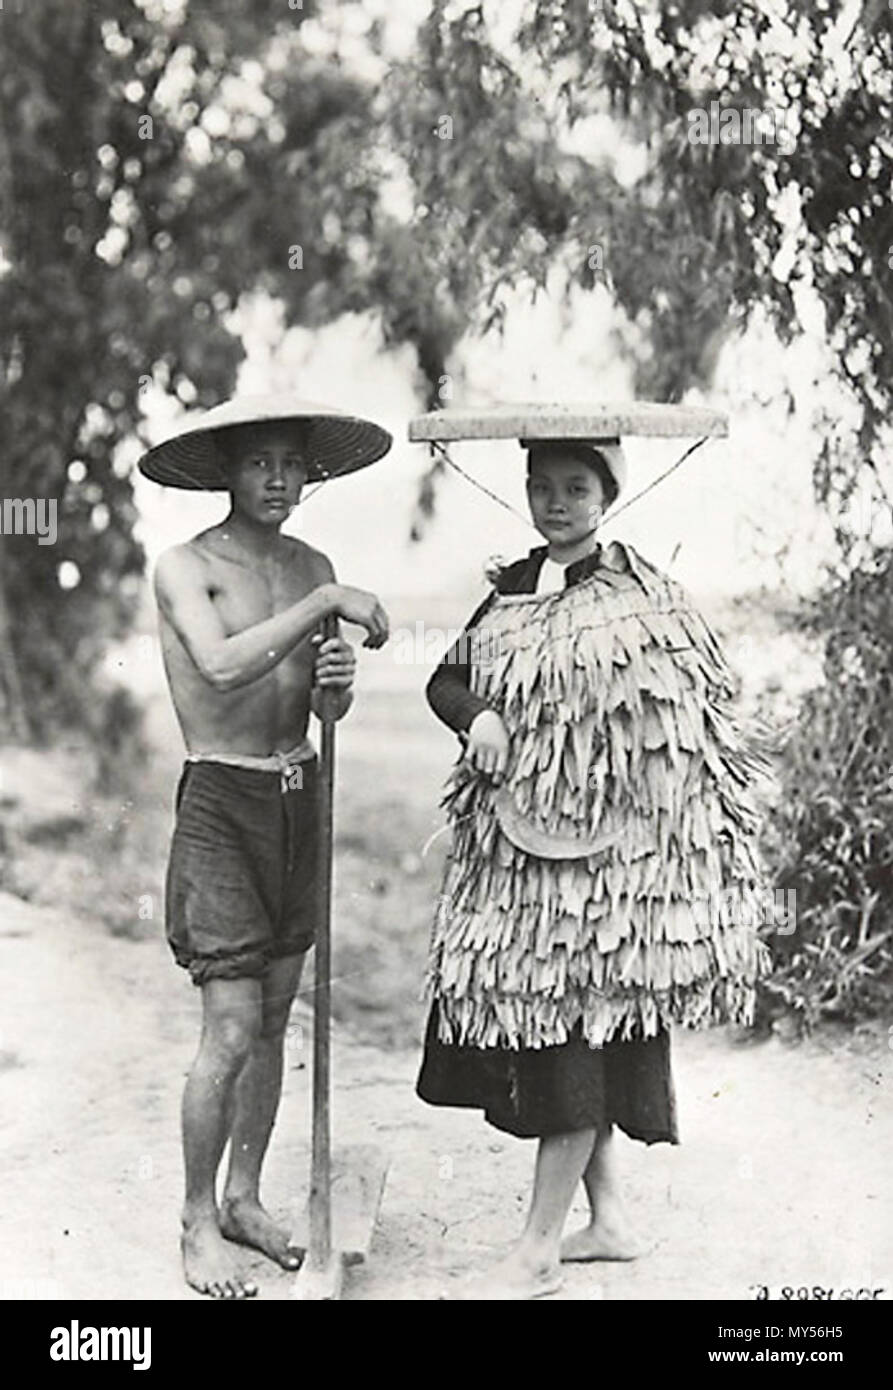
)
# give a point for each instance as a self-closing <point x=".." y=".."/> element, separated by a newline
<point x="321" y="1164"/>
<point x="328" y="701"/>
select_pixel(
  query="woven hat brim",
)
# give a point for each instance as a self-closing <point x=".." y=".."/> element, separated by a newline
<point x="568" y="421"/>
<point x="337" y="445"/>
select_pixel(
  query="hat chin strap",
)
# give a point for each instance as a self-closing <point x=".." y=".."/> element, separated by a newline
<point x="672" y="469"/>
<point x="443" y="454"/>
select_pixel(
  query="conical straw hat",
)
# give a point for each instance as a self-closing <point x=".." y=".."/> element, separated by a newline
<point x="335" y="442"/>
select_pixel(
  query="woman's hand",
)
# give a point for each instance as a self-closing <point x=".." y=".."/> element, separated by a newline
<point x="487" y="749"/>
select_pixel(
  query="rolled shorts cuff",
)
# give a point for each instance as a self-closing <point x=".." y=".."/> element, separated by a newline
<point x="242" y="965"/>
<point x="236" y="965"/>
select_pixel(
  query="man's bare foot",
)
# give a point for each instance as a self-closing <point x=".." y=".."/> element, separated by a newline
<point x="516" y="1278"/>
<point x="604" y="1239"/>
<point x="244" y="1220"/>
<point x="208" y="1264"/>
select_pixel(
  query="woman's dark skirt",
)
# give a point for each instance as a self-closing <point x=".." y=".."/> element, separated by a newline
<point x="535" y="1092"/>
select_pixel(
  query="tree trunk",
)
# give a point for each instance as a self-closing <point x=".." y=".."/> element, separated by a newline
<point x="14" y="712"/>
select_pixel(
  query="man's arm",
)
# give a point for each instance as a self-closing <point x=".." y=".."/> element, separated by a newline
<point x="228" y="662"/>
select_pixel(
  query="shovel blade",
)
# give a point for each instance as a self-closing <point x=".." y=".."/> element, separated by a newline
<point x="359" y="1173"/>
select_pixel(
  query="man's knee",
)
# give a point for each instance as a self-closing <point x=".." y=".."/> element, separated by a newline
<point x="233" y="1019"/>
<point x="231" y="1040"/>
<point x="235" y="1035"/>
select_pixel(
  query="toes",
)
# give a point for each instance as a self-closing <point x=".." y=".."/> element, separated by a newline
<point x="214" y="1289"/>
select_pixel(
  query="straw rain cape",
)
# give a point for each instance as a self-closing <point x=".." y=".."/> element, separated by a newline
<point x="611" y="882"/>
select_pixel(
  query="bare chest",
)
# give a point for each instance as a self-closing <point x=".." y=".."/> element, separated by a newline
<point x="244" y="596"/>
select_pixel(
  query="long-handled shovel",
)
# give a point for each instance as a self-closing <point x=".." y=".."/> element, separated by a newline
<point x="345" y="1194"/>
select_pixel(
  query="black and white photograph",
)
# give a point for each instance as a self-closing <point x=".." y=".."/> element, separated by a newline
<point x="446" y="662"/>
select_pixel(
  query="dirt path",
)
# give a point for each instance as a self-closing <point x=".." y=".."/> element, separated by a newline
<point x="782" y="1177"/>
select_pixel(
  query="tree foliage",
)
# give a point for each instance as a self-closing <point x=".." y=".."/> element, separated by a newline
<point x="124" y="254"/>
<point x="154" y="166"/>
<point x="691" y="239"/>
<point x="703" y="235"/>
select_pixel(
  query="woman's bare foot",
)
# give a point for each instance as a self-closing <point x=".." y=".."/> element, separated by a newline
<point x="244" y="1220"/>
<point x="607" y="1238"/>
<point x="208" y="1264"/>
<point x="516" y="1278"/>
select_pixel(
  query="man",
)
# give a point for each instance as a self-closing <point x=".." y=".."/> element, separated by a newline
<point x="241" y="607"/>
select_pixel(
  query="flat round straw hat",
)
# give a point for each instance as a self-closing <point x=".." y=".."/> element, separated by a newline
<point x="334" y="442"/>
<point x="552" y="420"/>
<point x="590" y="426"/>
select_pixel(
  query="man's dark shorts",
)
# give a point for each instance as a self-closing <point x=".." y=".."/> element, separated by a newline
<point x="242" y="870"/>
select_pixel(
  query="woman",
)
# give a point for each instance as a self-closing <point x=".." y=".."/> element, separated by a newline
<point x="601" y="884"/>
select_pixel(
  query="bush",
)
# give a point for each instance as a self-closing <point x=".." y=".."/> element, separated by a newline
<point x="831" y="835"/>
